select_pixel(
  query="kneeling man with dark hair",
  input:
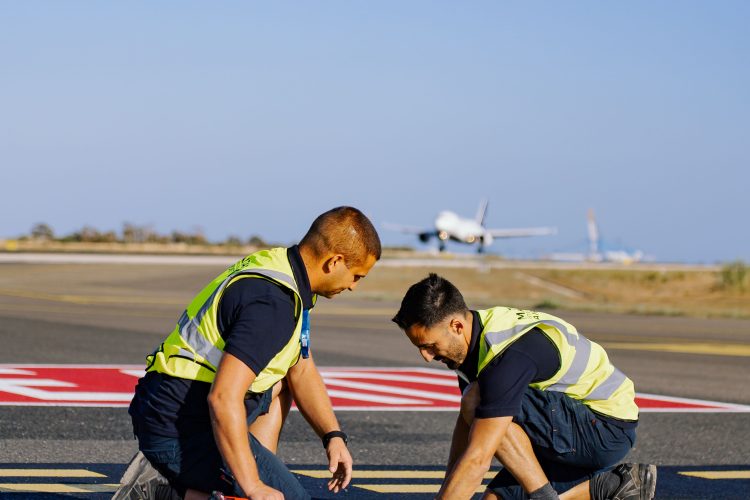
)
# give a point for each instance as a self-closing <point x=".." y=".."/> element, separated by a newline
<point x="540" y="397"/>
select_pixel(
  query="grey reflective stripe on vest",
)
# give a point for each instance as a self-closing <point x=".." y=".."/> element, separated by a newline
<point x="493" y="338"/>
<point x="200" y="344"/>
<point x="189" y="328"/>
<point x="608" y="387"/>
<point x="577" y="368"/>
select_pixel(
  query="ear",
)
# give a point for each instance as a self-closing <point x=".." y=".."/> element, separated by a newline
<point x="457" y="326"/>
<point x="330" y="264"/>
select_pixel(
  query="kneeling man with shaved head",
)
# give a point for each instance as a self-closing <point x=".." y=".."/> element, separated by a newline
<point x="209" y="411"/>
<point x="537" y="395"/>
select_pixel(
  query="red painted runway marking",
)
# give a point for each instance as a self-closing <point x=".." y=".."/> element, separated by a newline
<point x="362" y="389"/>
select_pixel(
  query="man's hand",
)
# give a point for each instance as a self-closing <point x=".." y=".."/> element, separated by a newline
<point x="313" y="402"/>
<point x="340" y="465"/>
<point x="264" y="492"/>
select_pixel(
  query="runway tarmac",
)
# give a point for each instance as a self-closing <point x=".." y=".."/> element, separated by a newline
<point x="117" y="313"/>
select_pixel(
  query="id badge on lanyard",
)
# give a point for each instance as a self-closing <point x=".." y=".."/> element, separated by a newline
<point x="304" y="336"/>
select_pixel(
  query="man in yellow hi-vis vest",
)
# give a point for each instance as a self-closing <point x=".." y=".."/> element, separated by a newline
<point x="210" y="408"/>
<point x="540" y="397"/>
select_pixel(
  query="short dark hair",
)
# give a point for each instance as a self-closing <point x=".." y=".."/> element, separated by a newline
<point x="429" y="302"/>
<point x="344" y="230"/>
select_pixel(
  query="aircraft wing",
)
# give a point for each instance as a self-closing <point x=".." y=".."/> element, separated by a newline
<point x="522" y="232"/>
<point x="407" y="229"/>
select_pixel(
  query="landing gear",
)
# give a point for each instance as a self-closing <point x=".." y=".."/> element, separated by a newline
<point x="442" y="238"/>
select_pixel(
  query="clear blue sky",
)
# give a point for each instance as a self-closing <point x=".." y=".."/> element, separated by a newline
<point x="253" y="117"/>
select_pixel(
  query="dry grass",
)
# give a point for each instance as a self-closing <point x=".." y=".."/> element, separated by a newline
<point x="684" y="293"/>
<point x="660" y="290"/>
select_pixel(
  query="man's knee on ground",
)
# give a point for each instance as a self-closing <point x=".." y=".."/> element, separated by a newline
<point x="469" y="402"/>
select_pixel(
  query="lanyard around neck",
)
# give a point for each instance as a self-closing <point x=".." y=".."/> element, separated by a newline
<point x="304" y="336"/>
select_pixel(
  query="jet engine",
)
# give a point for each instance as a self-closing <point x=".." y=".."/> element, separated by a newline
<point x="485" y="242"/>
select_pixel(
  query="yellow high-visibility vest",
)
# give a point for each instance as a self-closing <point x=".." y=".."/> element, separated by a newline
<point x="585" y="373"/>
<point x="194" y="348"/>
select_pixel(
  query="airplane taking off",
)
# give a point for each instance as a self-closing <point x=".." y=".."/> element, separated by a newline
<point x="450" y="226"/>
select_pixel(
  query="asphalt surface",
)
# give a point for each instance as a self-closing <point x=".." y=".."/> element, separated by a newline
<point x="79" y="313"/>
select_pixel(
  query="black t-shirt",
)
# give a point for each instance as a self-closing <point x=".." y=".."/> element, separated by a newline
<point x="256" y="320"/>
<point x="503" y="382"/>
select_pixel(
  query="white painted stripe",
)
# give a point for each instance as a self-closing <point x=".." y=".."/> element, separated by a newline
<point x="392" y="390"/>
<point x="391" y="408"/>
<point x="25" y="387"/>
<point x="72" y="366"/>
<point x="15" y="371"/>
<point x="717" y="409"/>
<point x="430" y="261"/>
<point x="34" y="382"/>
<point x="394" y="369"/>
<point x="70" y="404"/>
<point x="72" y="258"/>
<point x="373" y="398"/>
<point x="19" y="379"/>
<point x="399" y="378"/>
<point x="673" y="399"/>
<point x="435" y="372"/>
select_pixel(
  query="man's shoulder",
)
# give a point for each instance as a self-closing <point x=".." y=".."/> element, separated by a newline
<point x="258" y="301"/>
<point x="248" y="288"/>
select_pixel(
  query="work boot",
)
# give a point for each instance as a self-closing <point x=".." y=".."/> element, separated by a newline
<point x="142" y="482"/>
<point x="637" y="482"/>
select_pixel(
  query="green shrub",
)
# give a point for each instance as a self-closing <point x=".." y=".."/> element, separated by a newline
<point x="734" y="275"/>
<point x="546" y="304"/>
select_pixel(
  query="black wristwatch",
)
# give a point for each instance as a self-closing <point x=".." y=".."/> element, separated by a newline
<point x="334" y="434"/>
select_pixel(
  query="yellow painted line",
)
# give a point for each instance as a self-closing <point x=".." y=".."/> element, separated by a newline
<point x="81" y="312"/>
<point x="88" y="299"/>
<point x="57" y="488"/>
<point x="385" y="327"/>
<point x="356" y="311"/>
<point x="685" y="348"/>
<point x="718" y="474"/>
<point x="386" y="474"/>
<point x="406" y="488"/>
<point x="49" y="473"/>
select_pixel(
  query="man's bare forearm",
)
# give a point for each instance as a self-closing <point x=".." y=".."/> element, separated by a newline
<point x="311" y="396"/>
<point x="228" y="419"/>
<point x="458" y="443"/>
<point x="485" y="436"/>
<point x="466" y="477"/>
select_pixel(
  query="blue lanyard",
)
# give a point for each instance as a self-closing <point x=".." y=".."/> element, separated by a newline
<point x="304" y="336"/>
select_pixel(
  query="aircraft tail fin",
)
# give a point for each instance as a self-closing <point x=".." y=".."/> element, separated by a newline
<point x="593" y="233"/>
<point x="482" y="211"/>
